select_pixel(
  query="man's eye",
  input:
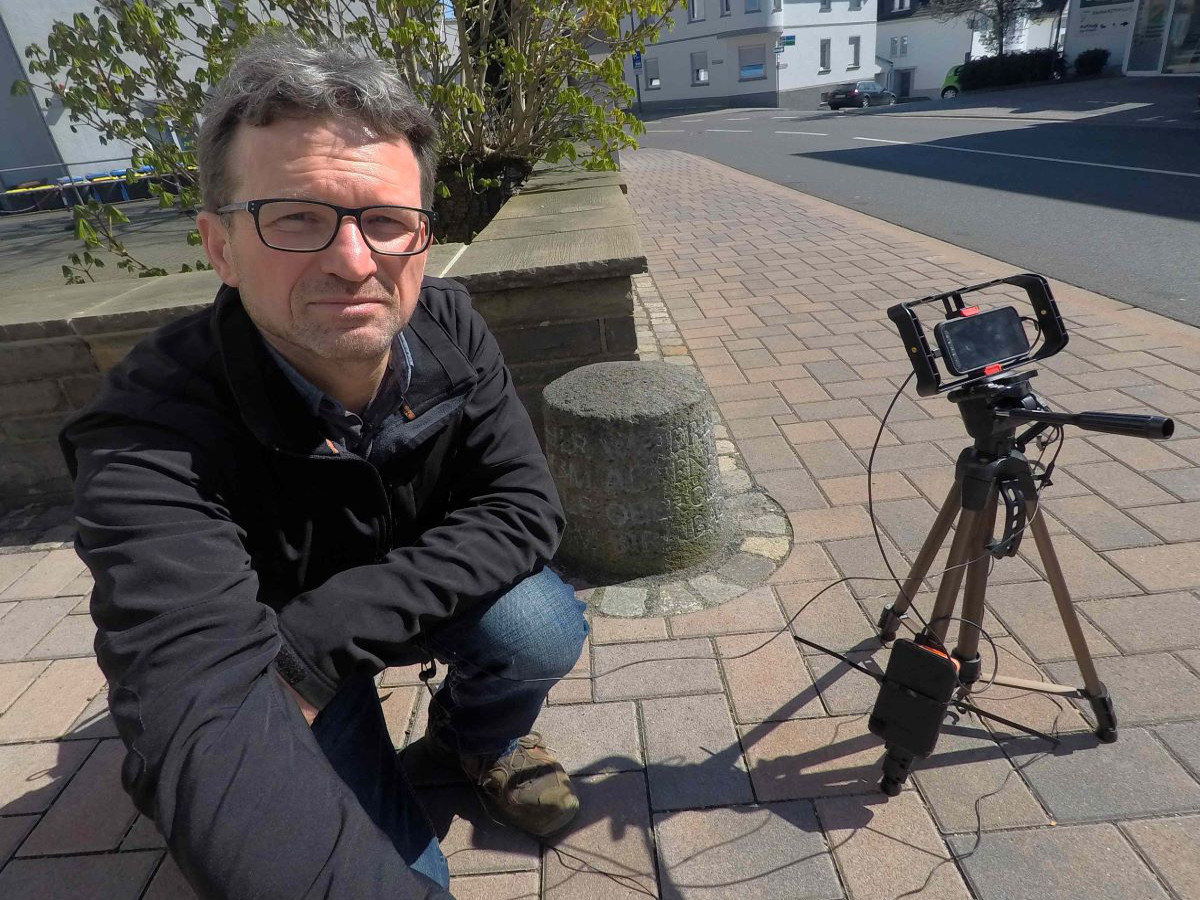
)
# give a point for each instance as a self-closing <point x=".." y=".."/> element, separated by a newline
<point x="394" y="222"/>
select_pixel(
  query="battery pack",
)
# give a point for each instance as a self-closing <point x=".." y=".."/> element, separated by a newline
<point x="916" y="692"/>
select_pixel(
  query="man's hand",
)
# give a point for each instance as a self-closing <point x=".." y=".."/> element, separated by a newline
<point x="307" y="709"/>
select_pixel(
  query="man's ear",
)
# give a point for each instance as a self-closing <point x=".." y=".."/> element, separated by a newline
<point x="216" y="239"/>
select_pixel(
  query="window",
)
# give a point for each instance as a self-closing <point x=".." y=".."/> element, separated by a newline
<point x="855" y="51"/>
<point x="894" y="50"/>
<point x="900" y="5"/>
<point x="752" y="63"/>
<point x="777" y="6"/>
<point x="653" y="82"/>
<point x="855" y="4"/>
<point x="725" y="10"/>
<point x="904" y="45"/>
<point x="825" y="54"/>
<point x="753" y="5"/>
<point x="700" y="68"/>
<point x="826" y="5"/>
<point x="696" y="10"/>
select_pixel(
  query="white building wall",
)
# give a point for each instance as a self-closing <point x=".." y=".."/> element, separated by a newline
<point x="721" y="37"/>
<point x="810" y="26"/>
<point x="30" y="23"/>
<point x="933" y="48"/>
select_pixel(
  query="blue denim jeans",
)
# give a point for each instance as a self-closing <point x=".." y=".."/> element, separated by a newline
<point x="502" y="659"/>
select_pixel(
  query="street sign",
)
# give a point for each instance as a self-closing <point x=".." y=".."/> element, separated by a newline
<point x="777" y="49"/>
<point x="637" y="59"/>
<point x="788" y="40"/>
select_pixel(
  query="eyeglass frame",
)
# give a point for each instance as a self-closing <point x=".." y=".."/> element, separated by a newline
<point x="354" y="212"/>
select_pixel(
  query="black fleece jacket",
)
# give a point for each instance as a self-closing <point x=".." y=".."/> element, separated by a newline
<point x="230" y="541"/>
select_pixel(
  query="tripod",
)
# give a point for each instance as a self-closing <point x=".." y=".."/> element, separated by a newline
<point x="992" y="471"/>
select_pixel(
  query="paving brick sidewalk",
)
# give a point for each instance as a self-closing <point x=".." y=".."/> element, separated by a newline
<point x="732" y="775"/>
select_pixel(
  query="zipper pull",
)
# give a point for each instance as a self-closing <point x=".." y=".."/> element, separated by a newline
<point x="406" y="411"/>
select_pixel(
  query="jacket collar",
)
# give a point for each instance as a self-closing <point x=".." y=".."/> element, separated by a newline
<point x="274" y="410"/>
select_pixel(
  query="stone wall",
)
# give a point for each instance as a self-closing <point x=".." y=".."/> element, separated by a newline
<point x="551" y="275"/>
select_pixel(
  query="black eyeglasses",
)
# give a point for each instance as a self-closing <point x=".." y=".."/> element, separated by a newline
<point x="307" y="226"/>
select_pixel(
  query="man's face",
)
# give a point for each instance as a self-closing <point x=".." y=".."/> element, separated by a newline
<point x="344" y="303"/>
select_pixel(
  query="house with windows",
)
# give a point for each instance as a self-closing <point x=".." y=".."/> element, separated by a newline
<point x="719" y="53"/>
<point x="916" y="50"/>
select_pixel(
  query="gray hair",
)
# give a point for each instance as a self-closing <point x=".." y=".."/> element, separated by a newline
<point x="277" y="75"/>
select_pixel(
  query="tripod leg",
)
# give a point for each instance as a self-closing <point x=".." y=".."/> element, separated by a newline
<point x="889" y="620"/>
<point x="966" y="538"/>
<point x="1097" y="694"/>
<point x="967" y="649"/>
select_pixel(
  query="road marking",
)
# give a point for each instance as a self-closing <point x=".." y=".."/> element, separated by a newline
<point x="783" y="117"/>
<point x="740" y="119"/>
<point x="666" y="130"/>
<point x="730" y="130"/>
<point x="813" y="133"/>
<point x="1068" y="162"/>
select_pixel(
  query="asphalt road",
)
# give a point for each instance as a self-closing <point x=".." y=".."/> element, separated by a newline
<point x="1111" y="208"/>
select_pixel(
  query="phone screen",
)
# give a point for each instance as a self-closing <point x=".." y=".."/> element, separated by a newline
<point x="972" y="342"/>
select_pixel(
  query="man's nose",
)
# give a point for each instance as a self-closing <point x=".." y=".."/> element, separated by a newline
<point x="349" y="256"/>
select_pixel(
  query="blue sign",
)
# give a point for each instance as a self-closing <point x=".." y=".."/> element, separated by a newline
<point x="788" y="40"/>
<point x="637" y="59"/>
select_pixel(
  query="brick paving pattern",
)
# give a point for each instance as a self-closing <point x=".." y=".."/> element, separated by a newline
<point x="736" y="773"/>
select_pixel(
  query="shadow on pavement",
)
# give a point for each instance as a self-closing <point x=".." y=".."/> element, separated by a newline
<point x="996" y="157"/>
<point x="613" y="837"/>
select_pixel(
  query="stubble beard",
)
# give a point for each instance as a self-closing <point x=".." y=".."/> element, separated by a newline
<point x="364" y="341"/>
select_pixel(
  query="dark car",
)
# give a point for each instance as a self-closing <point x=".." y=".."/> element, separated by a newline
<point x="859" y="93"/>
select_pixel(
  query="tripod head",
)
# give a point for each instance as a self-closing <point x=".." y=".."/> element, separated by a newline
<point x="993" y="408"/>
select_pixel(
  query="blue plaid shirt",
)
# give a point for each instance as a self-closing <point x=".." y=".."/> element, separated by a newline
<point x="346" y="429"/>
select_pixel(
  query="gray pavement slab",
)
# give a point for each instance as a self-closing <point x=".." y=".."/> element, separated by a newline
<point x="1084" y="862"/>
<point x="1173" y="848"/>
<point x="1083" y="780"/>
<point x="693" y="758"/>
<point x="774" y="852"/>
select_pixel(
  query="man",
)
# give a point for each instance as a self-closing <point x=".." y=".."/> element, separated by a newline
<point x="325" y="473"/>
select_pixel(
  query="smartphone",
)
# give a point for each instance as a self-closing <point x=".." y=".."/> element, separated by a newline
<point x="969" y="343"/>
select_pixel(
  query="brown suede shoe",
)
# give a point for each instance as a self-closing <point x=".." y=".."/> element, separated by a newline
<point x="527" y="788"/>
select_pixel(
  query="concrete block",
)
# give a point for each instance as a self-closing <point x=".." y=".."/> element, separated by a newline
<point x="31" y="398"/>
<point x="45" y="360"/>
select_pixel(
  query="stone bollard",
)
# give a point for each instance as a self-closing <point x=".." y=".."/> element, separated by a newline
<point x="631" y="448"/>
